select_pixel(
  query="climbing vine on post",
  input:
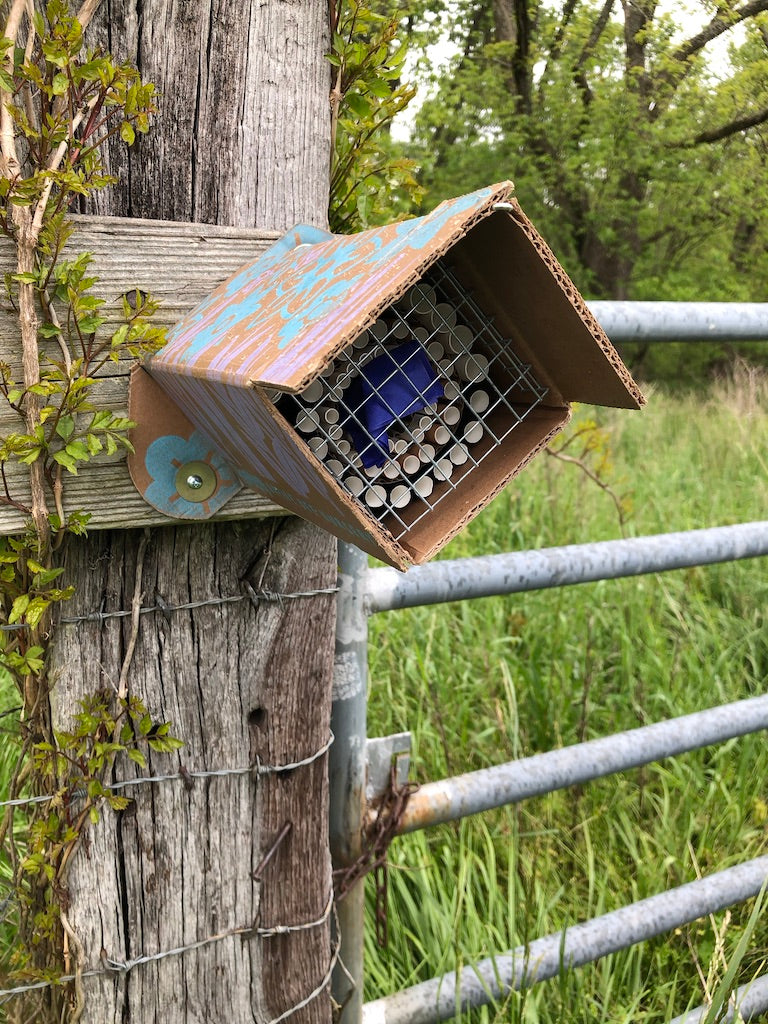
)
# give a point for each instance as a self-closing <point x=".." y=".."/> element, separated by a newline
<point x="370" y="181"/>
<point x="59" y="103"/>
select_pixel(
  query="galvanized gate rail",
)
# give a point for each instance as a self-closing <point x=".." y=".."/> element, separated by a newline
<point x="364" y="592"/>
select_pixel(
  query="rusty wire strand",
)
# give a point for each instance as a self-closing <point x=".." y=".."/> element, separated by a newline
<point x="256" y="769"/>
<point x="111" y="966"/>
<point x="376" y="842"/>
<point x="255" y="596"/>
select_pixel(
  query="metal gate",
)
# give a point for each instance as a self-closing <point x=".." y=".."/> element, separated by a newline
<point x="360" y="767"/>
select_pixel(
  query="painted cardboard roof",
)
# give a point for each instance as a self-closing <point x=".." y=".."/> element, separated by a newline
<point x="281" y="319"/>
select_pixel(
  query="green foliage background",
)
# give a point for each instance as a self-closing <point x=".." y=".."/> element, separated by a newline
<point x="635" y="135"/>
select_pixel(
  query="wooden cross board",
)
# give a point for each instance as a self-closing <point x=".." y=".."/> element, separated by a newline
<point x="179" y="264"/>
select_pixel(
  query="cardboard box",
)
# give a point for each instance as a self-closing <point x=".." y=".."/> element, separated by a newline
<point x="454" y="341"/>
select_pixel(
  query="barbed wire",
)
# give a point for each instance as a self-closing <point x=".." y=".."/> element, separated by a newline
<point x="111" y="966"/>
<point x="254" y="596"/>
<point x="256" y="769"/>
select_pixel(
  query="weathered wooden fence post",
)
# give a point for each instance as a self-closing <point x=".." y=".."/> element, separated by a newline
<point x="242" y="139"/>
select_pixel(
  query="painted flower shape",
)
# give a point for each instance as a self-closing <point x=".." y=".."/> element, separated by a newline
<point x="190" y="480"/>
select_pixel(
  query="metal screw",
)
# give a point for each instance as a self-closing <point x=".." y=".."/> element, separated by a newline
<point x="194" y="481"/>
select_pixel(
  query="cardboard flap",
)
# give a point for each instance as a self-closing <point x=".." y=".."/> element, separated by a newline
<point x="505" y="260"/>
<point x="281" y="320"/>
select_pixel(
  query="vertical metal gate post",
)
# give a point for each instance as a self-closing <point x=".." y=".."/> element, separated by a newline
<point x="348" y="770"/>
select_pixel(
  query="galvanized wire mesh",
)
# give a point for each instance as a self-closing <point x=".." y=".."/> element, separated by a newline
<point x="416" y="403"/>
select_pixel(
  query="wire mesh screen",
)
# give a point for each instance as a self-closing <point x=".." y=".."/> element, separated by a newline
<point x="416" y="403"/>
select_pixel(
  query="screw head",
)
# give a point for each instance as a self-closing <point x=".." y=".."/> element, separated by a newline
<point x="196" y="481"/>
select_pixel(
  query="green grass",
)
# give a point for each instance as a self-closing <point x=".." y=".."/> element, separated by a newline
<point x="487" y="681"/>
<point x="481" y="682"/>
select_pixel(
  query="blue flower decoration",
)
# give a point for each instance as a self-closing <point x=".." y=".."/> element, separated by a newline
<point x="163" y="460"/>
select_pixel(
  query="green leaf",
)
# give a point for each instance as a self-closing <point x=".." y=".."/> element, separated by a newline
<point x="166" y="744"/>
<point x="36" y="609"/>
<point x="90" y="324"/>
<point x="358" y="104"/>
<point x="59" y="85"/>
<point x="127" y="133"/>
<point x="78" y="450"/>
<point x="65" y="427"/>
<point x="94" y="444"/>
<point x="48" y="330"/>
<point x="66" y="460"/>
<point x="119" y="337"/>
<point x="379" y="87"/>
<point x="19" y="607"/>
<point x="138" y="757"/>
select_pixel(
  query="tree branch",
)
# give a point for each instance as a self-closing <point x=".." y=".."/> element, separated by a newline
<point x="11" y="165"/>
<point x="594" y="36"/>
<point x="557" y="43"/>
<point x="719" y="24"/>
<point x="87" y="11"/>
<point x="739" y="124"/>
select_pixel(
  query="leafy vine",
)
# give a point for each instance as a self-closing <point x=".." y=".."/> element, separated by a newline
<point x="59" y="103"/>
<point x="370" y="181"/>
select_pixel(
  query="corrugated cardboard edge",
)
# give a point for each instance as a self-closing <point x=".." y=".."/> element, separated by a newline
<point x="569" y="288"/>
<point x="419" y="557"/>
<point x="503" y="192"/>
<point x="154" y="414"/>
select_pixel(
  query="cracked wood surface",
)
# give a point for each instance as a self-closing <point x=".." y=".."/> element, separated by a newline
<point x="242" y="138"/>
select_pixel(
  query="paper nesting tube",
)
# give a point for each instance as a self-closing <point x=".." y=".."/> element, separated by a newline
<point x="472" y="367"/>
<point x="473" y="432"/>
<point x="460" y="339"/>
<point x="443" y="469"/>
<point x="442" y="316"/>
<point x="424" y="486"/>
<point x="308" y="422"/>
<point x="354" y="485"/>
<point x="379" y="330"/>
<point x="319" y="446"/>
<point x="362" y="341"/>
<point x="313" y="392"/>
<point x="375" y="496"/>
<point x="400" y="496"/>
<point x="458" y="454"/>
<point x="479" y="401"/>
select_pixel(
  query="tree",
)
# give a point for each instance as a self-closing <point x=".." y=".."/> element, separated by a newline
<point x="640" y="156"/>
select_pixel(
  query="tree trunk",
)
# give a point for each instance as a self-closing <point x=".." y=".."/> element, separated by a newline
<point x="242" y="139"/>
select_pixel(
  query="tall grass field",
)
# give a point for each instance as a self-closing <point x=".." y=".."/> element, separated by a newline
<point x="483" y="682"/>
